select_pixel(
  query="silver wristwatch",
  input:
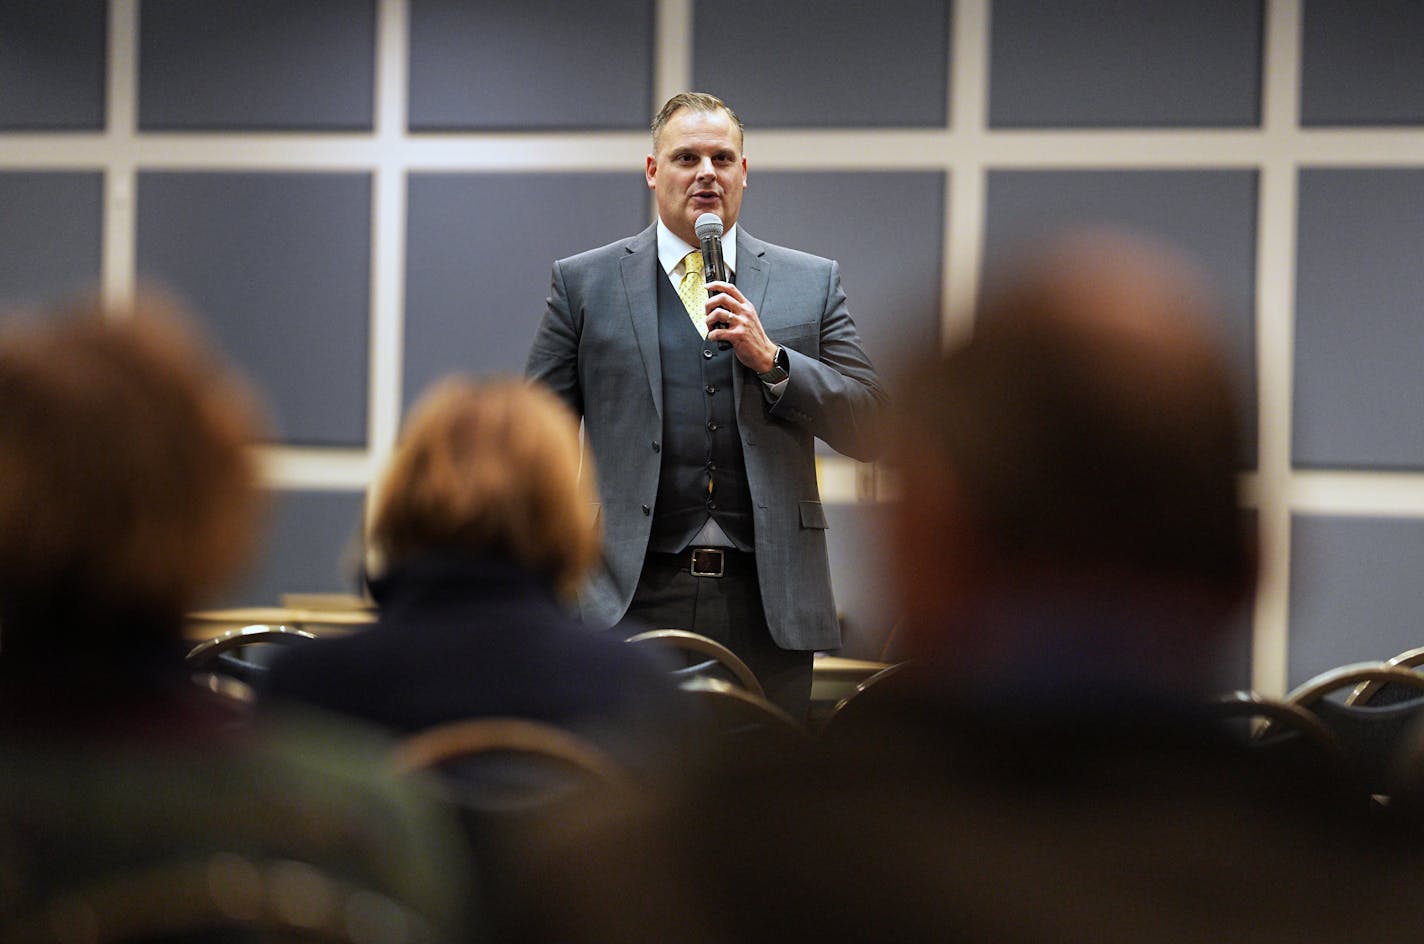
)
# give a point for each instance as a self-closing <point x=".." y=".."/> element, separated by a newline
<point x="780" y="368"/>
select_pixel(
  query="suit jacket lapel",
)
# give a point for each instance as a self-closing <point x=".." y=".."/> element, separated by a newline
<point x="752" y="270"/>
<point x="751" y="278"/>
<point x="640" y="274"/>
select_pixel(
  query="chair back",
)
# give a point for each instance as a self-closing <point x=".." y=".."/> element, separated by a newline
<point x="1277" y="726"/>
<point x="231" y="663"/>
<point x="1380" y="693"/>
<point x="224" y="898"/>
<point x="865" y="699"/>
<point x="743" y="723"/>
<point x="1369" y="735"/>
<point x="709" y="658"/>
<point x="509" y="763"/>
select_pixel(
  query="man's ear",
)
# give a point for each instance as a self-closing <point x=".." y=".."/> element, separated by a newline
<point x="650" y="171"/>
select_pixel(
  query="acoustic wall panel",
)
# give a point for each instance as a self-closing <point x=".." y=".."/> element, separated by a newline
<point x="281" y="65"/>
<point x="478" y="258"/>
<point x="1125" y="63"/>
<point x="1208" y="214"/>
<point x="523" y="64"/>
<point x="1359" y="334"/>
<point x="808" y="64"/>
<point x="1360" y="62"/>
<point x="53" y="57"/>
<point x="279" y="265"/>
<point x="1355" y="590"/>
<point x="858" y="544"/>
<point x="887" y="231"/>
<point x="312" y="543"/>
<point x="51" y="246"/>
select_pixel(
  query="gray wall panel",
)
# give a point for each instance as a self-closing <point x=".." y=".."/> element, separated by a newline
<point x="865" y="598"/>
<point x="53" y="56"/>
<point x="807" y="64"/>
<point x="51" y="246"/>
<point x="478" y="258"/>
<point x="1355" y="591"/>
<point x="1210" y="215"/>
<point x="312" y="544"/>
<point x="279" y="264"/>
<point x="887" y="231"/>
<point x="1125" y="63"/>
<point x="257" y="64"/>
<point x="1359" y="332"/>
<point x="530" y="64"/>
<point x="1360" y="62"/>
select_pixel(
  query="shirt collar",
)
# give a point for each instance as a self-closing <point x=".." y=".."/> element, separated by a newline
<point x="671" y="249"/>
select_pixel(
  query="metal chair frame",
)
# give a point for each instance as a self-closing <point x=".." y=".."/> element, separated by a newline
<point x="453" y="740"/>
<point x="701" y="645"/>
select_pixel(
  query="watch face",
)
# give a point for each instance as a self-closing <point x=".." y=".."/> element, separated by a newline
<point x="778" y="371"/>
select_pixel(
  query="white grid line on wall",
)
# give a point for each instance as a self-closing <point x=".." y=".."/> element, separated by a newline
<point x="388" y="228"/>
<point x="964" y="223"/>
<point x="1275" y="283"/>
<point x="116" y="154"/>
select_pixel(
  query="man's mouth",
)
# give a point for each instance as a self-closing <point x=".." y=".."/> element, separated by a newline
<point x="705" y="196"/>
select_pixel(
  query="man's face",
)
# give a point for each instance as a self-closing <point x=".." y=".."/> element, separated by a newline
<point x="698" y="168"/>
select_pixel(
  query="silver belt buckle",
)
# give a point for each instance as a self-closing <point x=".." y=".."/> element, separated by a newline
<point x="708" y="562"/>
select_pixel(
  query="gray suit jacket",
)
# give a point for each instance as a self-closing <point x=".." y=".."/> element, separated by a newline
<point x="597" y="347"/>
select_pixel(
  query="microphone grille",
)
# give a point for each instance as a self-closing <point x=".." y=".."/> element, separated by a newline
<point x="708" y="224"/>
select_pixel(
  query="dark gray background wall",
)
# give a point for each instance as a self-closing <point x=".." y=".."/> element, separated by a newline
<point x="359" y="197"/>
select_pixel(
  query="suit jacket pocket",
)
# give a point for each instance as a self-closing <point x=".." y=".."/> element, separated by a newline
<point x="803" y="337"/>
<point x="813" y="515"/>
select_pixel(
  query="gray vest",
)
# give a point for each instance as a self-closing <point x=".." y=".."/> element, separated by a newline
<point x="700" y="441"/>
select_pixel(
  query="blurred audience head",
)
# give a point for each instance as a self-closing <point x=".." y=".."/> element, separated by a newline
<point x="490" y="467"/>
<point x="128" y="493"/>
<point x="1083" y="446"/>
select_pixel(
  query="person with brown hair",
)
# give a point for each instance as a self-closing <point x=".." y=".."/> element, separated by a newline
<point x="492" y="467"/>
<point x="127" y="491"/>
<point x="481" y="530"/>
<point x="134" y="803"/>
<point x="1071" y="507"/>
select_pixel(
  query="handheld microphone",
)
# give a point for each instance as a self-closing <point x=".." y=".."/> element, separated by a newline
<point x="714" y="268"/>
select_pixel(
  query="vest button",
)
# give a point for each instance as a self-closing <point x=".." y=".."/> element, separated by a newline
<point x="647" y="510"/>
<point x="711" y="467"/>
<point x="712" y="427"/>
<point x="712" y="506"/>
<point x="707" y="354"/>
<point x="711" y="389"/>
<point x="657" y="446"/>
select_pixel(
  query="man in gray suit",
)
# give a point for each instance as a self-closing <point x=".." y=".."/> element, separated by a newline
<point x="701" y="411"/>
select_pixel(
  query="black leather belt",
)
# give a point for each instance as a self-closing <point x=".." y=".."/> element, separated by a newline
<point x="711" y="561"/>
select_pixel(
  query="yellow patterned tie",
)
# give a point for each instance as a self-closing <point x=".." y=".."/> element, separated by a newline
<point x="693" y="291"/>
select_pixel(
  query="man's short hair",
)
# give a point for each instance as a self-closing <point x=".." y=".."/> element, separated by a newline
<point x="692" y="101"/>
<point x="491" y="467"/>
<point x="1093" y="420"/>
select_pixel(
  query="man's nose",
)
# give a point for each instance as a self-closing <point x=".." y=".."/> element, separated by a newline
<point x="705" y="168"/>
